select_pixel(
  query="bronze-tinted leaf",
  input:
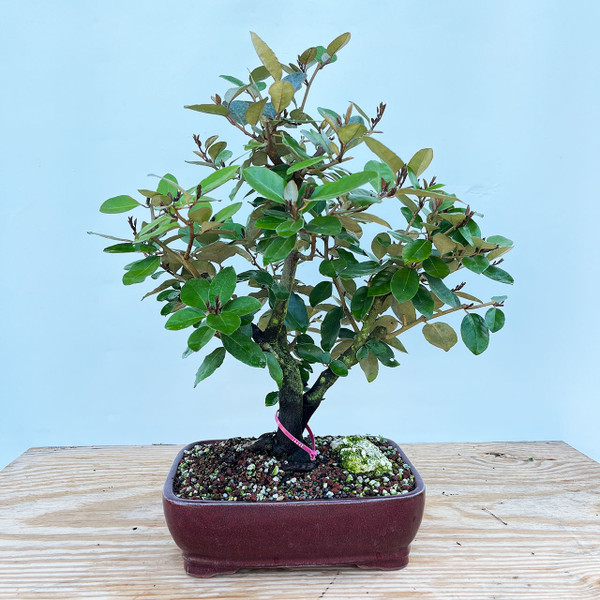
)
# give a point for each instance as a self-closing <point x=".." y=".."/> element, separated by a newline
<point x="420" y="161"/>
<point x="349" y="132"/>
<point x="370" y="367"/>
<point x="308" y="55"/>
<point x="338" y="43"/>
<point x="255" y="111"/>
<point x="440" y="335"/>
<point x="443" y="243"/>
<point x="385" y="154"/>
<point x="267" y="57"/>
<point x="212" y="109"/>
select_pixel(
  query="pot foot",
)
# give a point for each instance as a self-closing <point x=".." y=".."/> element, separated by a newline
<point x="387" y="563"/>
<point x="200" y="567"/>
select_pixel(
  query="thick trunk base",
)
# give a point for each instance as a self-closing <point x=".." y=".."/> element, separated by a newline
<point x="297" y="459"/>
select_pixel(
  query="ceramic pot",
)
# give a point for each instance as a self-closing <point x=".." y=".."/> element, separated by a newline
<point x="223" y="537"/>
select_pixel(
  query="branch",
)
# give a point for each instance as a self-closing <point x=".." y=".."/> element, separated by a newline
<point x="178" y="256"/>
<point x="280" y="306"/>
<point x="347" y="312"/>
<point x="424" y="319"/>
<point x="327" y="377"/>
<point x="318" y="68"/>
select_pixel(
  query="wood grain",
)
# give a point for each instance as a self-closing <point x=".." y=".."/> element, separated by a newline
<point x="87" y="522"/>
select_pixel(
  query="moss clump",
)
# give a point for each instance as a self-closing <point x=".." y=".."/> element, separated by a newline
<point x="359" y="455"/>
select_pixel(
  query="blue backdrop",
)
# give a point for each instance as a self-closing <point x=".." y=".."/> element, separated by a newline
<point x="505" y="92"/>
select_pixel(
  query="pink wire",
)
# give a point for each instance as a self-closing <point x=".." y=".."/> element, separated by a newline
<point x="312" y="453"/>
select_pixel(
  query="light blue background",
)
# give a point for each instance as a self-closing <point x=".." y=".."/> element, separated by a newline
<point x="505" y="92"/>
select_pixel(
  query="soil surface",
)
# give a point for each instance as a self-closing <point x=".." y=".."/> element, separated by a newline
<point x="230" y="471"/>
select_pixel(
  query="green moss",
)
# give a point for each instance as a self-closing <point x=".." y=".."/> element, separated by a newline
<point x="359" y="455"/>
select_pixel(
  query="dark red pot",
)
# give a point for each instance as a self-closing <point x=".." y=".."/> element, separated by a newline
<point x="223" y="537"/>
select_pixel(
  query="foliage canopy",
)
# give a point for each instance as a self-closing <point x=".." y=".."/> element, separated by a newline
<point x="376" y="280"/>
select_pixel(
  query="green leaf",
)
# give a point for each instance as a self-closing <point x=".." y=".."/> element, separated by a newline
<point x="214" y="180"/>
<point x="121" y="248"/>
<point x="404" y="284"/>
<point x="267" y="57"/>
<point x="274" y="368"/>
<point x="477" y="264"/>
<point x="304" y="164"/>
<point x="436" y="267"/>
<point x="416" y="251"/>
<point x="330" y="327"/>
<point x="200" y="337"/>
<point x="361" y="303"/>
<point x="228" y="211"/>
<point x="324" y="226"/>
<point x="442" y="292"/>
<point x="338" y="43"/>
<point x="278" y="249"/>
<point x="440" y="335"/>
<point x="296" y="317"/>
<point x="242" y="305"/>
<point x="165" y="185"/>
<point x="222" y="285"/>
<point x="281" y="93"/>
<point x="381" y="284"/>
<point x="140" y="269"/>
<point x="270" y="221"/>
<point x="212" y="109"/>
<point x="279" y="291"/>
<point x="370" y="367"/>
<point x="224" y="322"/>
<point x="233" y="80"/>
<point x="420" y="161"/>
<point x="320" y="292"/>
<point x="338" y="368"/>
<point x="118" y="204"/>
<point x="186" y="317"/>
<point x="475" y="333"/>
<point x="312" y="353"/>
<point x="385" y="154"/>
<point x="500" y="240"/>
<point x="210" y="364"/>
<point x="360" y="269"/>
<point x="342" y="186"/>
<point x="498" y="274"/>
<point x="261" y="277"/>
<point x="240" y="346"/>
<point x="383" y="352"/>
<point x="494" y="319"/>
<point x="195" y="293"/>
<point x="423" y="302"/>
<point x="289" y="228"/>
<point x="272" y="398"/>
<point x="265" y="182"/>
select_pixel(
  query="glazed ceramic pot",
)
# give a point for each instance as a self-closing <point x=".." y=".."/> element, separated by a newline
<point x="222" y="537"/>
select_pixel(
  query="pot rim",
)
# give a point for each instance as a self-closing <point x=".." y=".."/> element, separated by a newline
<point x="169" y="494"/>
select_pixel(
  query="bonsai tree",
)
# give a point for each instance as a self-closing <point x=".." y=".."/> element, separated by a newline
<point x="302" y="278"/>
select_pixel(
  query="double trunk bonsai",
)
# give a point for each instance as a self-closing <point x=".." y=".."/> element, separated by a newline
<point x="328" y="284"/>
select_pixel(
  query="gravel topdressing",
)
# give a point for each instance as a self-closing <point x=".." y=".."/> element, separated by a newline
<point x="228" y="470"/>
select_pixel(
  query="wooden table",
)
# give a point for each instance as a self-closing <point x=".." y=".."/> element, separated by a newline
<point x="503" y="520"/>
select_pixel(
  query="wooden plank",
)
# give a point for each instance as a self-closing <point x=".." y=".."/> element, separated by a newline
<point x="502" y="520"/>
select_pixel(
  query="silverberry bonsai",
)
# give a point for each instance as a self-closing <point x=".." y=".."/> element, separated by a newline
<point x="328" y="284"/>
